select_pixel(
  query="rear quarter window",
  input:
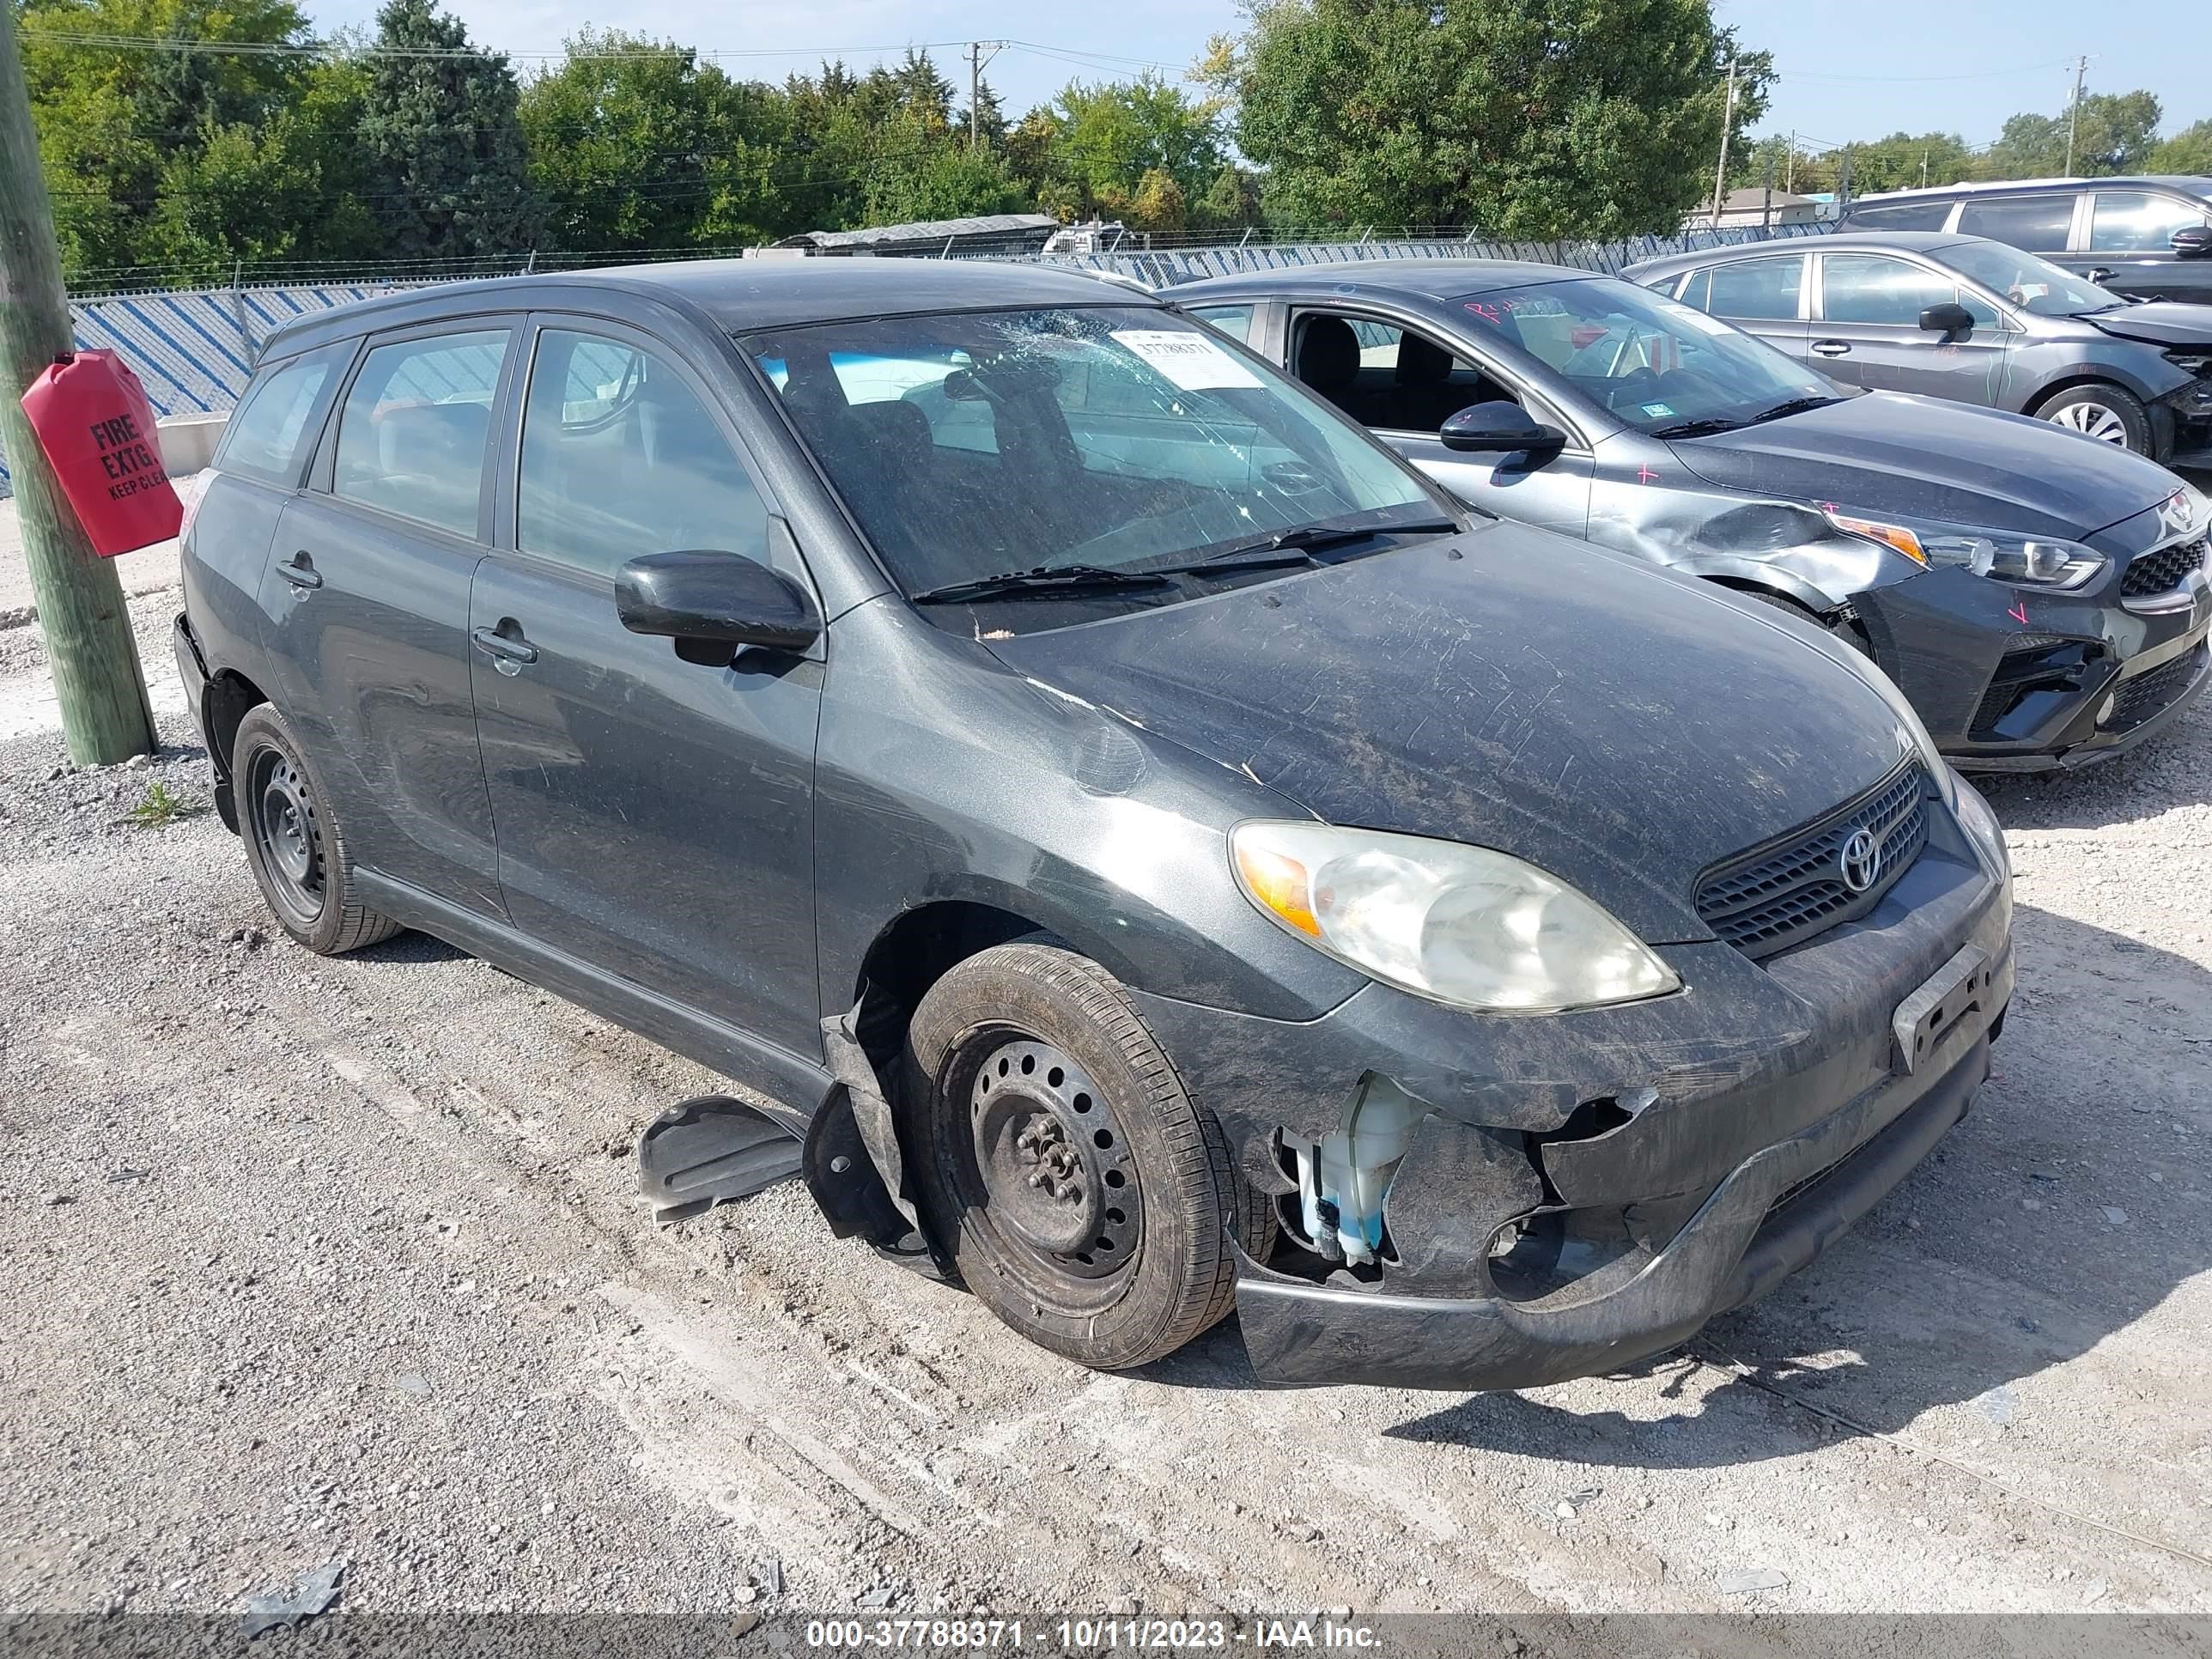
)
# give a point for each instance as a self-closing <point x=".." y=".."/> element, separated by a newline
<point x="269" y="432"/>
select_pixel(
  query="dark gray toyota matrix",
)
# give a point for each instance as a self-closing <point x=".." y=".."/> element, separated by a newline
<point x="1152" y="849"/>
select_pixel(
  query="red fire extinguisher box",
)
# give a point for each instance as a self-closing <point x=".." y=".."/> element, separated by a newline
<point x="97" y="429"/>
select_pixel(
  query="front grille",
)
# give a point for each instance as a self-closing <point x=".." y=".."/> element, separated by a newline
<point x="1769" y="900"/>
<point x="2162" y="570"/>
<point x="2138" y="699"/>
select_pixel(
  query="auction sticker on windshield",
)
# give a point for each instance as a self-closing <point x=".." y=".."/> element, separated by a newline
<point x="1193" y="362"/>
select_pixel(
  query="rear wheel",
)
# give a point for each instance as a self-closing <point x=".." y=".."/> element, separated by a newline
<point x="1083" y="1194"/>
<point x="2103" y="412"/>
<point x="293" y="845"/>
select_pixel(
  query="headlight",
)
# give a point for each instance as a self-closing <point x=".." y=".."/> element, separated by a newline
<point x="2033" y="560"/>
<point x="1461" y="924"/>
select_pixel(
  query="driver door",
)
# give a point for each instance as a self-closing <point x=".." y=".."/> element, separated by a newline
<point x="1409" y="381"/>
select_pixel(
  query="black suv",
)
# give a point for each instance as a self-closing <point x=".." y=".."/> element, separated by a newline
<point x="2149" y="238"/>
<point x="1155" y="848"/>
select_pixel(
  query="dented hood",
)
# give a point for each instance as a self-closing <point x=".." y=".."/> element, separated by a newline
<point x="1886" y="453"/>
<point x="2161" y="322"/>
<point x="1619" y="727"/>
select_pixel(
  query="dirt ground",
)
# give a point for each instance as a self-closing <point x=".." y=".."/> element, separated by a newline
<point x="307" y="1260"/>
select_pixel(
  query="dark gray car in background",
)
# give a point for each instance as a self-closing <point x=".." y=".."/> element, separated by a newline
<point x="2148" y="237"/>
<point x="1969" y="319"/>
<point x="2041" y="598"/>
<point x="1156" y="849"/>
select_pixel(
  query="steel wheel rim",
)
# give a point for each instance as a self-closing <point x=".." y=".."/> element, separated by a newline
<point x="287" y="834"/>
<point x="1051" y="1162"/>
<point x="2095" y="421"/>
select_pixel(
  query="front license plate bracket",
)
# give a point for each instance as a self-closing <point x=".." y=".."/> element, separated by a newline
<point x="1956" y="991"/>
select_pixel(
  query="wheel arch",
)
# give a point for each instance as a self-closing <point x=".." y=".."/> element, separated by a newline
<point x="229" y="696"/>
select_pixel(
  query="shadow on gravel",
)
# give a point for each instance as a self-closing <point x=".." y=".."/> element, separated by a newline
<point x="1999" y="1257"/>
<point x="410" y="948"/>
<point x="2173" y="769"/>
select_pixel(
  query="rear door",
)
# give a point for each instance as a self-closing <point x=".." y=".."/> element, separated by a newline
<point x="1766" y="297"/>
<point x="2040" y="223"/>
<point x="655" y="816"/>
<point x="368" y="594"/>
<point x="1868" y="330"/>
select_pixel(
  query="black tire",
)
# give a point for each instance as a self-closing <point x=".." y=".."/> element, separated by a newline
<point x="2103" y="411"/>
<point x="1126" y="1159"/>
<point x="293" y="843"/>
<point x="1836" y="627"/>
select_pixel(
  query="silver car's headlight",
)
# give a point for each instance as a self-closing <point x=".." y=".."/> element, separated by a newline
<point x="1458" y="924"/>
<point x="2031" y="561"/>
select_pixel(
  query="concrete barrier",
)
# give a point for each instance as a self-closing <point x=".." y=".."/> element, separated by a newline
<point x="188" y="441"/>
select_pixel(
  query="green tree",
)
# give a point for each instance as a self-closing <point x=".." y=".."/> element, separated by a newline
<point x="1158" y="203"/>
<point x="1526" y="118"/>
<point x="1232" y="199"/>
<point x="1105" y="138"/>
<point x="2188" y="151"/>
<point x="2114" y="132"/>
<point x="443" y="138"/>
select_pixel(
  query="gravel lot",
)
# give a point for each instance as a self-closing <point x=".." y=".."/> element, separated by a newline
<point x="303" y="1260"/>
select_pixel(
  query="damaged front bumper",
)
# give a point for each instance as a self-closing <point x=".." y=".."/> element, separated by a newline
<point x="1586" y="1190"/>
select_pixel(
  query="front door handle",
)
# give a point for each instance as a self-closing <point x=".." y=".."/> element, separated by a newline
<point x="504" y="648"/>
<point x="1831" y="349"/>
<point x="300" y="570"/>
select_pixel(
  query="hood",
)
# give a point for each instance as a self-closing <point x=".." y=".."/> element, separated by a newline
<point x="1922" y="457"/>
<point x="1616" y="724"/>
<point x="2161" y="322"/>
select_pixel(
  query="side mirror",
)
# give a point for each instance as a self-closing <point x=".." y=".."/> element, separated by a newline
<point x="1500" y="428"/>
<point x="2191" y="242"/>
<point x="1950" y="319"/>
<point x="713" y="604"/>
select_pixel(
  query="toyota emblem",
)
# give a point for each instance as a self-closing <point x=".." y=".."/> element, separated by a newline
<point x="1860" y="862"/>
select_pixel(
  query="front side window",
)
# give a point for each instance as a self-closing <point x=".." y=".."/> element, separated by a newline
<point x="412" y="434"/>
<point x="1868" y="288"/>
<point x="1657" y="365"/>
<point x="1235" y="321"/>
<point x="2136" y="222"/>
<point x="620" y="458"/>
<point x="1757" y="290"/>
<point x="264" y="437"/>
<point x="2038" y="223"/>
<point x="975" y="444"/>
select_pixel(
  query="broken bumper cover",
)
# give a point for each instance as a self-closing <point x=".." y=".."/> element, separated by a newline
<point x="1589" y="1189"/>
<point x="1739" y="1245"/>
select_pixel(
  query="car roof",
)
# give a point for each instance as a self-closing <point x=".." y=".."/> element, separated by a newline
<point x="740" y="296"/>
<point x="2172" y="180"/>
<point x="1843" y="241"/>
<point x="1433" y="279"/>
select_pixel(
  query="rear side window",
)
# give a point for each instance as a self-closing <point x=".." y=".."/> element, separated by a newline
<point x="2136" y="222"/>
<point x="1758" y="290"/>
<point x="412" y="434"/>
<point x="267" y="435"/>
<point x="620" y="458"/>
<point x="1907" y="215"/>
<point x="2035" y="224"/>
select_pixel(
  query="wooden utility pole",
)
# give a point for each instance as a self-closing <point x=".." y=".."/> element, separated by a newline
<point x="1728" y="121"/>
<point x="976" y="63"/>
<point x="2074" y="112"/>
<point x="102" y="690"/>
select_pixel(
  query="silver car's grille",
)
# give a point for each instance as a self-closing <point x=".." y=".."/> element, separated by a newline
<point x="1782" y="894"/>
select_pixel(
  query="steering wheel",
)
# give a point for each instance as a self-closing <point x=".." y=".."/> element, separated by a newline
<point x="1635" y="386"/>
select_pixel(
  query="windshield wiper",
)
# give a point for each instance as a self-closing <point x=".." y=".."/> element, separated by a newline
<point x="1298" y="545"/>
<point x="1794" y="406"/>
<point x="1702" y="428"/>
<point x="1045" y="578"/>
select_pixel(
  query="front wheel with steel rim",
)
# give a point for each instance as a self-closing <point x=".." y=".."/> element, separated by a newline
<point x="293" y="845"/>
<point x="2106" y="413"/>
<point x="1082" y="1193"/>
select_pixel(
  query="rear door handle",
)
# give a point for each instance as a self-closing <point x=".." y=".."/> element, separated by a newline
<point x="1831" y="349"/>
<point x="503" y="648"/>
<point x="300" y="571"/>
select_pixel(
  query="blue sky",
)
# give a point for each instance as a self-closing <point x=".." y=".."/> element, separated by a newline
<point x="1850" y="68"/>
